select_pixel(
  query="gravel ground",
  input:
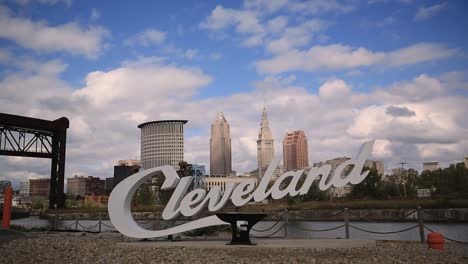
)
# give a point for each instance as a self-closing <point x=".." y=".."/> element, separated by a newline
<point x="104" y="248"/>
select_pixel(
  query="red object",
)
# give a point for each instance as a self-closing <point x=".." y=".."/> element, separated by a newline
<point x="7" y="207"/>
<point x="435" y="240"/>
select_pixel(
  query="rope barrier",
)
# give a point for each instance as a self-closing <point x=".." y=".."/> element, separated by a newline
<point x="274" y="233"/>
<point x="279" y="220"/>
<point x="264" y="230"/>
<point x="69" y="225"/>
<point x="383" y="233"/>
<point x="317" y="230"/>
<point x="449" y="239"/>
<point x="88" y="228"/>
<point x="108" y="226"/>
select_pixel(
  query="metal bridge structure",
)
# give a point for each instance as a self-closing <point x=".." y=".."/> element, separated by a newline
<point x="31" y="137"/>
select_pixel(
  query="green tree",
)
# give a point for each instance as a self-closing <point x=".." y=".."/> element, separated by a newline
<point x="144" y="195"/>
<point x="369" y="187"/>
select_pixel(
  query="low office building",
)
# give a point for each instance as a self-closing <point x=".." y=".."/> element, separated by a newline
<point x="211" y="182"/>
<point x="76" y="186"/>
<point x="82" y="186"/>
<point x="24" y="188"/>
<point x="39" y="187"/>
<point x="430" y="165"/>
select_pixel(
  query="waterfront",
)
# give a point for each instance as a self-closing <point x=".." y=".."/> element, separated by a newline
<point x="297" y="229"/>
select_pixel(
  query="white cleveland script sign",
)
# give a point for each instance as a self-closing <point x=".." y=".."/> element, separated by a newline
<point x="189" y="204"/>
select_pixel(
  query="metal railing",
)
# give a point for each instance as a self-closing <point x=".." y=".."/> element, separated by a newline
<point x="283" y="222"/>
<point x="279" y="224"/>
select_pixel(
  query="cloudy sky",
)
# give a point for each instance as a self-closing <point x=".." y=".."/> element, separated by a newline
<point x="343" y="71"/>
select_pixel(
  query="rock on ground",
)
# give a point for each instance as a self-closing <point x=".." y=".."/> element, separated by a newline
<point x="104" y="248"/>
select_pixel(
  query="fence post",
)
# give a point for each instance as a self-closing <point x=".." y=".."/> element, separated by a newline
<point x="421" y="225"/>
<point x="100" y="221"/>
<point x="157" y="227"/>
<point x="346" y="219"/>
<point x="286" y="223"/>
<point x="7" y="202"/>
<point x="55" y="218"/>
<point x="76" y="221"/>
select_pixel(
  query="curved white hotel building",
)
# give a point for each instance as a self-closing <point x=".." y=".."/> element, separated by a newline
<point x="162" y="143"/>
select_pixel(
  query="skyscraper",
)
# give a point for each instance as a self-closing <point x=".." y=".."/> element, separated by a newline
<point x="295" y="150"/>
<point x="162" y="143"/>
<point x="265" y="147"/>
<point x="220" y="147"/>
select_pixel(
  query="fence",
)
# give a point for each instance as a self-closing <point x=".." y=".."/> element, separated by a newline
<point x="281" y="223"/>
<point x="76" y="225"/>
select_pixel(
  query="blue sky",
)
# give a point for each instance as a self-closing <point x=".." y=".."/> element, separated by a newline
<point x="332" y="68"/>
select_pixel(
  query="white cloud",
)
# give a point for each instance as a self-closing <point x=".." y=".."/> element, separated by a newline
<point x="428" y="12"/>
<point x="147" y="38"/>
<point x="159" y="82"/>
<point x="419" y="53"/>
<point x="277" y="24"/>
<point x="334" y="90"/>
<point x="68" y="37"/>
<point x="295" y="36"/>
<point x="5" y="55"/>
<point x="105" y="112"/>
<point x="269" y="6"/>
<point x="317" y="6"/>
<point x="244" y="21"/>
<point x="339" y="57"/>
<point x="68" y="3"/>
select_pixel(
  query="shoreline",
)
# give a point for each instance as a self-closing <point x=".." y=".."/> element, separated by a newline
<point x="451" y="215"/>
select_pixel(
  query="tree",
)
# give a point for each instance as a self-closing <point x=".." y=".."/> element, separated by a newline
<point x="369" y="187"/>
<point x="144" y="195"/>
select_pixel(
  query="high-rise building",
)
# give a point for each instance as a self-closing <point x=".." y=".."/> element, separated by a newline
<point x="122" y="171"/>
<point x="162" y="143"/>
<point x="24" y="188"/>
<point x="39" y="187"/>
<point x="295" y="150"/>
<point x="466" y="161"/>
<point x="220" y="148"/>
<point x="265" y="145"/>
<point x="430" y="165"/>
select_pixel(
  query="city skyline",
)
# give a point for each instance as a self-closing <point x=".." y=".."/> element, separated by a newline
<point x="295" y="150"/>
<point x="265" y="145"/>
<point x="220" y="147"/>
<point x="344" y="72"/>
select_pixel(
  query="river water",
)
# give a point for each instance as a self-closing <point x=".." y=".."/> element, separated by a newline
<point x="299" y="229"/>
